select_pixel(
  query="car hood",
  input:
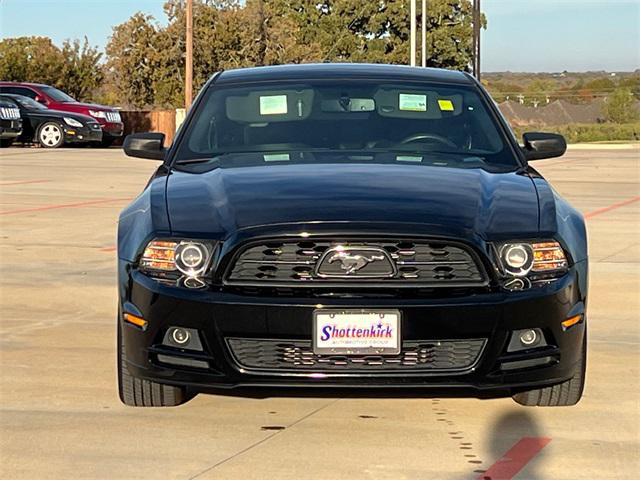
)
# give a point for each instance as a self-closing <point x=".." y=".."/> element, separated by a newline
<point x="437" y="200"/>
<point x="81" y="107"/>
<point x="60" y="114"/>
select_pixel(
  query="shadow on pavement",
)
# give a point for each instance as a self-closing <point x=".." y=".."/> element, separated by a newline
<point x="513" y="440"/>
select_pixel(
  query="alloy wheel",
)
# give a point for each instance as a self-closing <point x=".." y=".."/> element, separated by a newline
<point x="50" y="135"/>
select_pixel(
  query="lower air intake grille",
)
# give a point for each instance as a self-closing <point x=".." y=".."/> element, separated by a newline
<point x="295" y="355"/>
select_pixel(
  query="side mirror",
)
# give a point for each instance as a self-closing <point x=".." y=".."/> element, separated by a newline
<point x="145" y="145"/>
<point x="543" y="145"/>
<point x="40" y="99"/>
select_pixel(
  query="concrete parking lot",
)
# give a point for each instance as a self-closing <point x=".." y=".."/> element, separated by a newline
<point x="60" y="416"/>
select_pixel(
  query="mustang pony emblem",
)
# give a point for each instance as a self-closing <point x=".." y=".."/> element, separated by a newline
<point x="352" y="263"/>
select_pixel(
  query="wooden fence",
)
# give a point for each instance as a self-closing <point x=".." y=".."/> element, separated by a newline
<point x="151" y="121"/>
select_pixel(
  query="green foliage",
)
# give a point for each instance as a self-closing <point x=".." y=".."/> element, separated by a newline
<point x="620" y="107"/>
<point x="132" y="55"/>
<point x="30" y="59"/>
<point x="146" y="62"/>
<point x="589" y="132"/>
<point x="81" y="72"/>
<point x="75" y="68"/>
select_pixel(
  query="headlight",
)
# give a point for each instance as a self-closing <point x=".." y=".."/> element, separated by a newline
<point x="72" y="122"/>
<point x="188" y="257"/>
<point x="519" y="259"/>
<point x="98" y="113"/>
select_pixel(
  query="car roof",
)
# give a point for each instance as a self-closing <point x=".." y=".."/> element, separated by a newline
<point x="345" y="70"/>
<point x="13" y="95"/>
<point x="23" y="84"/>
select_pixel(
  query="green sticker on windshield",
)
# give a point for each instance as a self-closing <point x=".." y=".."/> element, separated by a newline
<point x="273" y="105"/>
<point x="411" y="102"/>
<point x="276" y="157"/>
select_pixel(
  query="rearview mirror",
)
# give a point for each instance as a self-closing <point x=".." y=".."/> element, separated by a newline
<point x="148" y="145"/>
<point x="543" y="145"/>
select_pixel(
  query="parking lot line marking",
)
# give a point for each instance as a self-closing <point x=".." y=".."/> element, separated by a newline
<point x="515" y="459"/>
<point x="22" y="182"/>
<point x="611" y="207"/>
<point x="64" y="205"/>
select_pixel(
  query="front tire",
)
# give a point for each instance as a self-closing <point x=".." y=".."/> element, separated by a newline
<point x="138" y="392"/>
<point x="6" y="142"/>
<point x="50" y="135"/>
<point x="564" y="394"/>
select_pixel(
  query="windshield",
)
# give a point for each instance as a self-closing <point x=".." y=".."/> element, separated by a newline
<point x="28" y="103"/>
<point x="57" y="95"/>
<point x="364" y="117"/>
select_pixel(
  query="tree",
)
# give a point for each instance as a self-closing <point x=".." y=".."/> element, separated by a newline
<point x="74" y="69"/>
<point x="621" y="107"/>
<point x="30" y="59"/>
<point x="146" y="62"/>
<point x="81" y="73"/>
<point x="132" y="59"/>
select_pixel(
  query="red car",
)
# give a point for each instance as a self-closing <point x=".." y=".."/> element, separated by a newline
<point x="108" y="117"/>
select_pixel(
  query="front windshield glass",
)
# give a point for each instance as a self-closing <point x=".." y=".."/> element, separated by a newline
<point x="57" y="95"/>
<point x="28" y="103"/>
<point x="364" y="119"/>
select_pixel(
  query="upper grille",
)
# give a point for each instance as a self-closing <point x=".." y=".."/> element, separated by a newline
<point x="9" y="113"/>
<point x="416" y="263"/>
<point x="416" y="355"/>
<point x="113" y="117"/>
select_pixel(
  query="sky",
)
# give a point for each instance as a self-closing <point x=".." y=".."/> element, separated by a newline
<point x="521" y="35"/>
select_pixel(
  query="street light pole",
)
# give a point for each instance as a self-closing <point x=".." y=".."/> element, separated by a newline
<point x="413" y="32"/>
<point x="188" y="77"/>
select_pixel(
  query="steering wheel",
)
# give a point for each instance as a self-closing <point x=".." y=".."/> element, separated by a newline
<point x="427" y="136"/>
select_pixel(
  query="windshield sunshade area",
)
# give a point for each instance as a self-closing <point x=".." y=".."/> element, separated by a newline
<point x="363" y="118"/>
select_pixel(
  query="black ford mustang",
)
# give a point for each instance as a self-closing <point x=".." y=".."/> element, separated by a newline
<point x="350" y="225"/>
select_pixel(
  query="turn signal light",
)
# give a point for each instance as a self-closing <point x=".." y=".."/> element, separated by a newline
<point x="570" y="322"/>
<point x="137" y="321"/>
<point x="548" y="256"/>
<point x="159" y="255"/>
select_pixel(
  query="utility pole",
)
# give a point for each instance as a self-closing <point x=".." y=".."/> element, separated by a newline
<point x="413" y="32"/>
<point x="424" y="32"/>
<point x="188" y="76"/>
<point x="476" y="39"/>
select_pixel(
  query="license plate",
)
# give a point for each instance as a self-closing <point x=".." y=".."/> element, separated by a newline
<point x="356" y="332"/>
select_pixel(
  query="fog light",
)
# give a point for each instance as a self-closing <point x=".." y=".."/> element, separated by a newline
<point x="184" y="338"/>
<point x="180" y="336"/>
<point x="529" y="338"/>
<point x="525" y="339"/>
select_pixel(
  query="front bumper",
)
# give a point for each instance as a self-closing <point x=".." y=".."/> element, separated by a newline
<point x="219" y="316"/>
<point x="10" y="129"/>
<point x="82" y="134"/>
<point x="112" y="129"/>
